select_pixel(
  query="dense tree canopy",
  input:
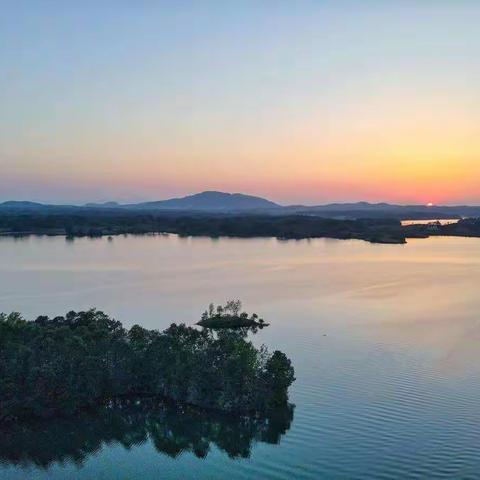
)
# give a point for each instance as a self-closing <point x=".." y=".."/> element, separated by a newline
<point x="98" y="223"/>
<point x="54" y="366"/>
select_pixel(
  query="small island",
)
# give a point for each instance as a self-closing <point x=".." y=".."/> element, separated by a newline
<point x="230" y="316"/>
<point x="60" y="366"/>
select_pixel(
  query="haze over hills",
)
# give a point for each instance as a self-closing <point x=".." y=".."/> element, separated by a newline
<point x="102" y="205"/>
<point x="210" y="200"/>
<point x="229" y="203"/>
<point x="14" y="204"/>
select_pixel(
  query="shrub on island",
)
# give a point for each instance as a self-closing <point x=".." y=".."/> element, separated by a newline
<point x="230" y="316"/>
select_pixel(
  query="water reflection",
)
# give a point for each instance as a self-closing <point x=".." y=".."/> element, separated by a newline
<point x="390" y="392"/>
<point x="172" y="430"/>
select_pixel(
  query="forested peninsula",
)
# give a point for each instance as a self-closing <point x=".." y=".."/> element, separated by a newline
<point x="88" y="222"/>
<point x="59" y="366"/>
<point x="97" y="223"/>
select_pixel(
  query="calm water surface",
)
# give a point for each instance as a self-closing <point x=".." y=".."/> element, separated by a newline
<point x="385" y="340"/>
<point x="442" y="221"/>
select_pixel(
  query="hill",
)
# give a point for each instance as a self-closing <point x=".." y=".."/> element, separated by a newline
<point x="20" y="205"/>
<point x="210" y="200"/>
<point x="221" y="203"/>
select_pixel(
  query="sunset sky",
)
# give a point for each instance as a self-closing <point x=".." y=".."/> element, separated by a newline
<point x="298" y="101"/>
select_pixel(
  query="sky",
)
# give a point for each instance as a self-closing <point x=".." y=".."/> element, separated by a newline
<point x="300" y="102"/>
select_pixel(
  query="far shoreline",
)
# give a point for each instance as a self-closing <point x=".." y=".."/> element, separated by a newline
<point x="110" y="236"/>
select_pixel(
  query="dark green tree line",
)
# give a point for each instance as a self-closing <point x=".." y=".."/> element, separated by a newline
<point x="57" y="366"/>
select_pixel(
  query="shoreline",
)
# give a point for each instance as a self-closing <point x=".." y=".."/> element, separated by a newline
<point x="291" y="227"/>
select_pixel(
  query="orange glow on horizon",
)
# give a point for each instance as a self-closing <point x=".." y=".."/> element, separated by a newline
<point x="401" y="149"/>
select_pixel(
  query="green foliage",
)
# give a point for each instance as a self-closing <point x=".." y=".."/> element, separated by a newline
<point x="94" y="223"/>
<point x="57" y="366"/>
<point x="278" y="376"/>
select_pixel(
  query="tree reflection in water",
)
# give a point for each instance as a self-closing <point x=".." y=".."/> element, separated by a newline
<point x="172" y="430"/>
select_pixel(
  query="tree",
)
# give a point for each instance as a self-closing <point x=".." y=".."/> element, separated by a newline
<point x="61" y="365"/>
<point x="278" y="376"/>
<point x="234" y="307"/>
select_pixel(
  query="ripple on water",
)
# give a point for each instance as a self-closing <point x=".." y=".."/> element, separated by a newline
<point x="380" y="397"/>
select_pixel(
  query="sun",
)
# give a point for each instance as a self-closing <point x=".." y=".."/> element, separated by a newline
<point x="429" y="204"/>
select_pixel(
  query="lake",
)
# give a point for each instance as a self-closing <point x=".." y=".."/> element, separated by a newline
<point x="441" y="221"/>
<point x="385" y="340"/>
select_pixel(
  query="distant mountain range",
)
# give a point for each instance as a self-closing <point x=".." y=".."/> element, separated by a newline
<point x="228" y="203"/>
<point x="206" y="201"/>
<point x="218" y="201"/>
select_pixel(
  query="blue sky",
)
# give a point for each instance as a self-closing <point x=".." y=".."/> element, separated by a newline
<point x="298" y="101"/>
